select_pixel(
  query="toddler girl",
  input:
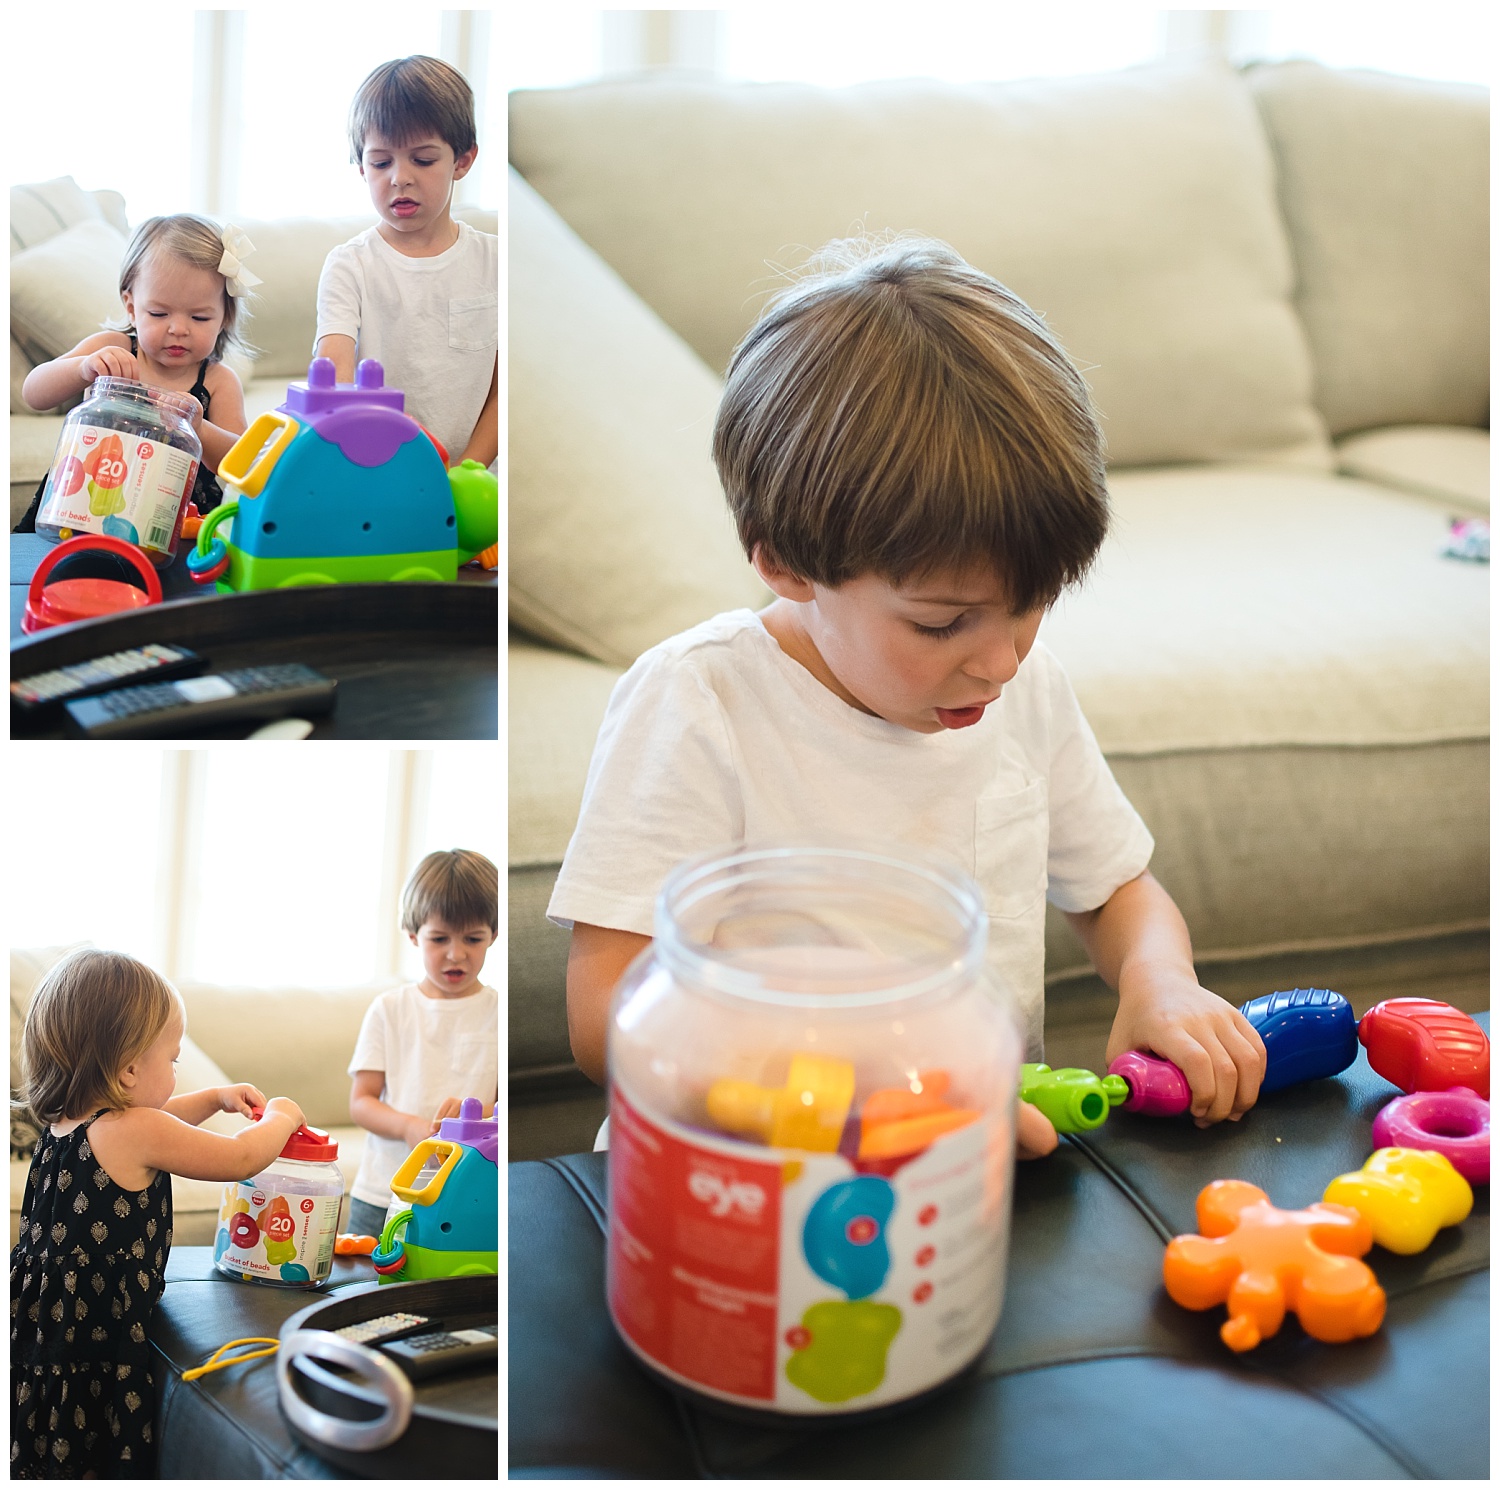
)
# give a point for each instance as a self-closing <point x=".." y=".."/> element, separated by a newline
<point x="101" y="1040"/>
<point x="181" y="283"/>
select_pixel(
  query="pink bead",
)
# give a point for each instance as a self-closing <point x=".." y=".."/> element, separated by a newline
<point x="1157" y="1087"/>
<point x="1455" y="1124"/>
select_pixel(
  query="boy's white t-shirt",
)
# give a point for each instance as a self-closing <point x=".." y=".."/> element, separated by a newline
<point x="432" y="324"/>
<point x="429" y="1049"/>
<point x="716" y="736"/>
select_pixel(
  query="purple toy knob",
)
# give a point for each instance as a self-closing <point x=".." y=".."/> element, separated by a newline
<point x="1157" y="1087"/>
<point x="369" y="374"/>
<point x="482" y="1133"/>
<point x="320" y="373"/>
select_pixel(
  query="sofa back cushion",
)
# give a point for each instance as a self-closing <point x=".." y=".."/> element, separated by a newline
<point x="1136" y="210"/>
<point x="288" y="257"/>
<point x="619" y="536"/>
<point x="1384" y="185"/>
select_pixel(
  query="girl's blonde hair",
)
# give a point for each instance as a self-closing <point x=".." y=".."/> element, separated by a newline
<point x="196" y="241"/>
<point x="90" y="1017"/>
<point x="455" y="885"/>
<point x="896" y="411"/>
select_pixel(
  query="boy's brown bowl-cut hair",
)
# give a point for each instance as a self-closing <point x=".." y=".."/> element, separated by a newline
<point x="895" y="411"/>
<point x="91" y="1016"/>
<point x="455" y="885"/>
<point x="409" y="97"/>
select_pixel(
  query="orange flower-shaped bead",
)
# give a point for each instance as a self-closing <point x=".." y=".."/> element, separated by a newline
<point x="1262" y="1261"/>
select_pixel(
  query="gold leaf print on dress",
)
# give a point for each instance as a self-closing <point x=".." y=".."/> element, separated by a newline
<point x="97" y="1283"/>
<point x="151" y="1230"/>
<point x="23" y="1393"/>
<point x="70" y="1281"/>
<point x="80" y="1418"/>
<point x="138" y="1333"/>
<point x="80" y="1309"/>
<point x="56" y="1311"/>
<point x="100" y="1178"/>
<point x="144" y="1279"/>
<point x="98" y="1333"/>
<point x="132" y="1401"/>
<point x="98" y="1231"/>
<point x="122" y="1207"/>
<point x="137" y="1249"/>
<point x="81" y="1202"/>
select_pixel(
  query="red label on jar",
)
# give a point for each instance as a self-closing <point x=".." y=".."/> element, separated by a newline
<point x="694" y="1258"/>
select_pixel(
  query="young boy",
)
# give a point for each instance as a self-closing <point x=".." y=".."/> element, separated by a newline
<point x="424" y="1047"/>
<point x="917" y="473"/>
<point x="418" y="292"/>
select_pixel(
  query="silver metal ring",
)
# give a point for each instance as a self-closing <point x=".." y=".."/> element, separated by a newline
<point x="381" y="1384"/>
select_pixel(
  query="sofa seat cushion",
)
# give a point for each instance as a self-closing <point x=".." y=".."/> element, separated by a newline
<point x="1451" y="465"/>
<point x="1136" y="210"/>
<point x="1239" y="608"/>
<point x="1384" y="186"/>
<point x="619" y="535"/>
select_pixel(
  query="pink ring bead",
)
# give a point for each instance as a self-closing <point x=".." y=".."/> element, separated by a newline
<point x="1455" y="1124"/>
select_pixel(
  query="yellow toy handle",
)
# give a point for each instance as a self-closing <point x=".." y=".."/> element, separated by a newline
<point x="412" y="1167"/>
<point x="213" y="1363"/>
<point x="248" y="464"/>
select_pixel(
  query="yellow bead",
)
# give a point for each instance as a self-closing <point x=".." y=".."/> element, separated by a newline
<point x="1406" y="1195"/>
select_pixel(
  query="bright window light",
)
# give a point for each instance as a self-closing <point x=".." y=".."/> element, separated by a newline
<point x="83" y="826"/>
<point x="548" y="46"/>
<point x="1446" y="42"/>
<point x="100" y="96"/>
<point x="457" y="807"/>
<point x="294" y="152"/>
<point x="286" y="889"/>
<point x="834" y="45"/>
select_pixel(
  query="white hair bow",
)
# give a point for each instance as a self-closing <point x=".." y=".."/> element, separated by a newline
<point x="239" y="279"/>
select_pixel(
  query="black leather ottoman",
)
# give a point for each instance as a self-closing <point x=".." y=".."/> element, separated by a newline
<point x="1092" y="1373"/>
<point x="228" y="1424"/>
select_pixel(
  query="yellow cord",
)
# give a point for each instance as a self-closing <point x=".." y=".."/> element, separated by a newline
<point x="213" y="1363"/>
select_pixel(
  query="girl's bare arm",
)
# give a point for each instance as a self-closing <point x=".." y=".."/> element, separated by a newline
<point x="227" y="400"/>
<point x="158" y="1140"/>
<point x="48" y="385"/>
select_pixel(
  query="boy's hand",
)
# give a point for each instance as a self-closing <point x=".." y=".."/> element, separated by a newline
<point x="448" y="1109"/>
<point x="285" y="1107"/>
<point x="1205" y="1036"/>
<point x="416" y="1130"/>
<point x="1035" y="1136"/>
<point x="240" y="1099"/>
<point x="110" y="362"/>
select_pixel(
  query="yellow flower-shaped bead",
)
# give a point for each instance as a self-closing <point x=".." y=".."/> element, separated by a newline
<point x="1406" y="1195"/>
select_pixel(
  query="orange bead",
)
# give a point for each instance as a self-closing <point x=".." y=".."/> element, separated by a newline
<point x="1262" y="1261"/>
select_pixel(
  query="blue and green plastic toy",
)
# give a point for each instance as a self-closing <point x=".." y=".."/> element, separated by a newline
<point x="340" y="485"/>
<point x="451" y="1226"/>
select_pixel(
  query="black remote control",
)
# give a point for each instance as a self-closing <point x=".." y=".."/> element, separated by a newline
<point x="385" y="1328"/>
<point x="172" y="709"/>
<point x="437" y="1351"/>
<point x="35" y="695"/>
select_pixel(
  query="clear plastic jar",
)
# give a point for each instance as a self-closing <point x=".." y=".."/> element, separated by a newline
<point x="280" y="1227"/>
<point x="812" y="1131"/>
<point x="125" y="465"/>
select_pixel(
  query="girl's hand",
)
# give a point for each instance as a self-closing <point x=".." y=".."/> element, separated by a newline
<point x="285" y="1107"/>
<point x="240" y="1099"/>
<point x="1035" y="1136"/>
<point x="110" y="362"/>
<point x="1205" y="1036"/>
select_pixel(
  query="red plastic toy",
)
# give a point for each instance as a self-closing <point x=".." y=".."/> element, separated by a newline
<point x="1262" y="1261"/>
<point x="1421" y="1045"/>
<point x="82" y="596"/>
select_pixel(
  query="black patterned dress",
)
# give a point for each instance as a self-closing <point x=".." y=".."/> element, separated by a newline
<point x="84" y="1278"/>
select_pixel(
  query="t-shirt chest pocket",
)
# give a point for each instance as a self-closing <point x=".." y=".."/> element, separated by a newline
<point x="1010" y="849"/>
<point x="474" y="323"/>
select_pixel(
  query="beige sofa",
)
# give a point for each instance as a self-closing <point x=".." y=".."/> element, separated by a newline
<point x="290" y="1042"/>
<point x="66" y="247"/>
<point x="1276" y="283"/>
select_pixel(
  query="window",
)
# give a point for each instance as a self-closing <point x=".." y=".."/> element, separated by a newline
<point x="249" y="865"/>
<point x="236" y="113"/>
<point x="552" y="46"/>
